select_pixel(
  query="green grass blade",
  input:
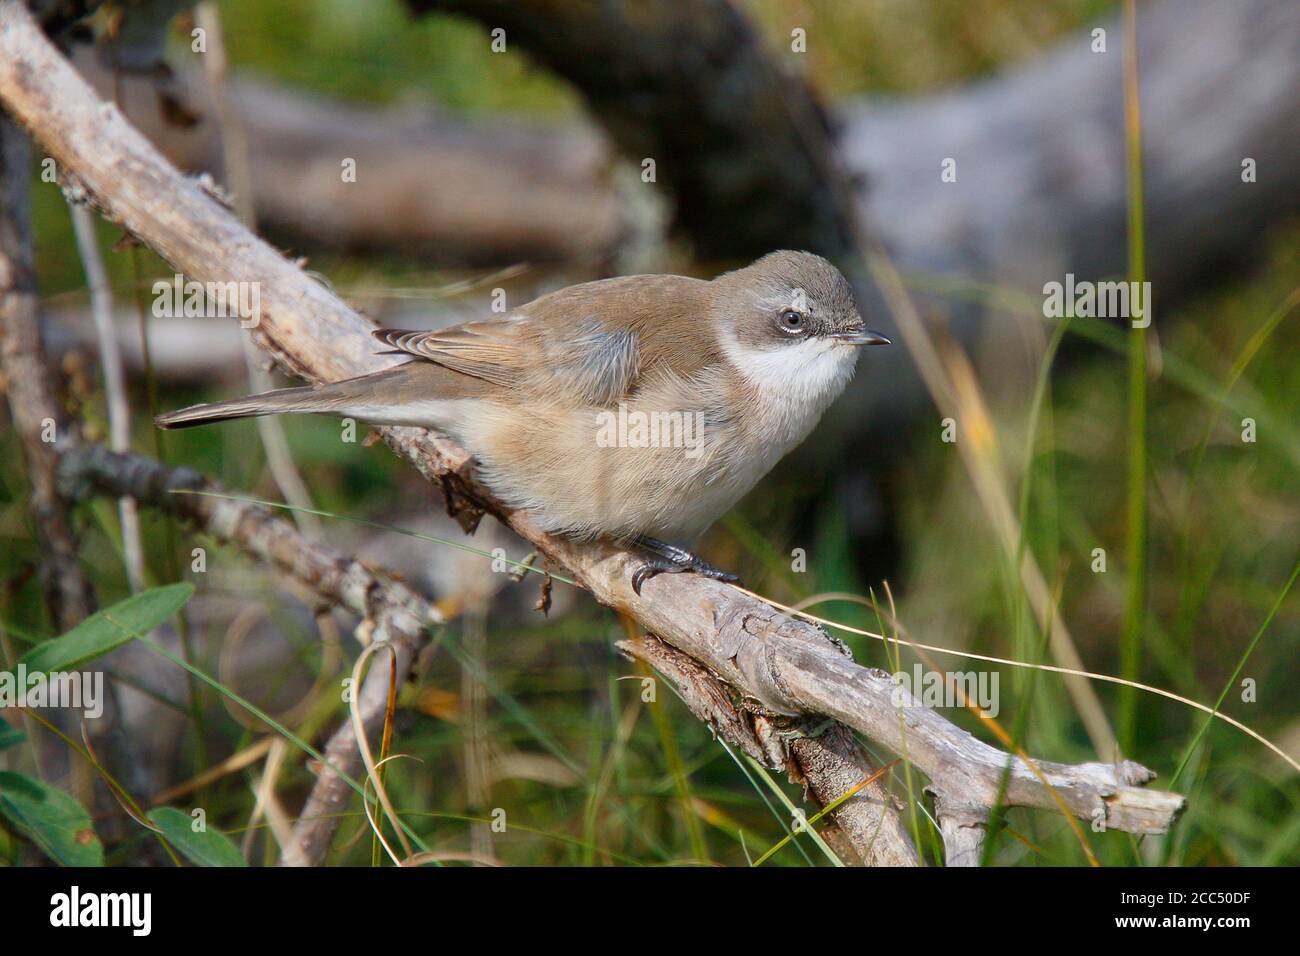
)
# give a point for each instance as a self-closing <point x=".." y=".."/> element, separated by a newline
<point x="109" y="629"/>
<point x="51" y="819"/>
<point x="204" y="847"/>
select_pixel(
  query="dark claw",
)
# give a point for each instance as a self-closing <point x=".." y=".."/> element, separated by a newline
<point x="650" y="568"/>
<point x="670" y="559"/>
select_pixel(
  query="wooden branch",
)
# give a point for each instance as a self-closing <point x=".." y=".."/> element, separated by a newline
<point x="390" y="611"/>
<point x="821" y="755"/>
<point x="792" y="667"/>
<point x="963" y="827"/>
<point x="828" y="764"/>
<point x="31" y="389"/>
<point x="110" y="363"/>
<point x="786" y="664"/>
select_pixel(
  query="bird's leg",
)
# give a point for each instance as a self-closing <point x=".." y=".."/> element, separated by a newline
<point x="670" y="559"/>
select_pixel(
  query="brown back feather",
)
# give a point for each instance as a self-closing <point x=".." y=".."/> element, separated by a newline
<point x="595" y="342"/>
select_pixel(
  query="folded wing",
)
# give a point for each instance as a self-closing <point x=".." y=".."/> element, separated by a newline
<point x="589" y="361"/>
<point x="486" y="350"/>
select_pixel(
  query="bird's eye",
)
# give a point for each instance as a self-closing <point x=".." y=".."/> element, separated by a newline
<point x="792" y="320"/>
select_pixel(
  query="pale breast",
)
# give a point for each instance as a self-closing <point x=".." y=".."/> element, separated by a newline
<point x="666" y="461"/>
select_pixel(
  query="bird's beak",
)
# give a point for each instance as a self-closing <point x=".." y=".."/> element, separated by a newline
<point x="861" y="337"/>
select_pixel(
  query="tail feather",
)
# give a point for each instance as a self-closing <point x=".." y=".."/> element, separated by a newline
<point x="303" y="399"/>
<point x="415" y="393"/>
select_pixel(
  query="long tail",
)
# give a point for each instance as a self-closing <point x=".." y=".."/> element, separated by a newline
<point x="415" y="393"/>
<point x="323" y="398"/>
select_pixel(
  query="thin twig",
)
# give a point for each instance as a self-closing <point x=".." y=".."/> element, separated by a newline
<point x="478" y="783"/>
<point x="110" y="359"/>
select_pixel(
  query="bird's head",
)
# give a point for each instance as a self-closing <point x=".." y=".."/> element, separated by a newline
<point x="790" y="321"/>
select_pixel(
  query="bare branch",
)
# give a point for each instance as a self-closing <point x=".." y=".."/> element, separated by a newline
<point x="110" y="360"/>
<point x="821" y="755"/>
<point x="963" y="827"/>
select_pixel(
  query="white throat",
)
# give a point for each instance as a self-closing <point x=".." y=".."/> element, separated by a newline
<point x="794" y="385"/>
<point x="807" y="376"/>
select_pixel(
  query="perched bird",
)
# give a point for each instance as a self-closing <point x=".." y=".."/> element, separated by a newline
<point x="639" y="408"/>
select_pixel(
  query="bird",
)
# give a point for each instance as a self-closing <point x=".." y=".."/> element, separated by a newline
<point x="638" y="409"/>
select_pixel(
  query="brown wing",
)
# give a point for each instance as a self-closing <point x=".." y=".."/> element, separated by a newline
<point x="492" y="351"/>
<point x="590" y="362"/>
<point x="591" y="342"/>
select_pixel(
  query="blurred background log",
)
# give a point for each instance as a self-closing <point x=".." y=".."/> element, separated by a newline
<point x="431" y="186"/>
<point x="1040" y="155"/>
<point x="746" y="148"/>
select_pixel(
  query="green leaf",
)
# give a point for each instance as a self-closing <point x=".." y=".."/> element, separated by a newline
<point x="109" y="629"/>
<point x="10" y="736"/>
<point x="51" y="819"/>
<point x="208" y="848"/>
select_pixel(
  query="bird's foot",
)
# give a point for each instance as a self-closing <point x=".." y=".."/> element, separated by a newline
<point x="670" y="559"/>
